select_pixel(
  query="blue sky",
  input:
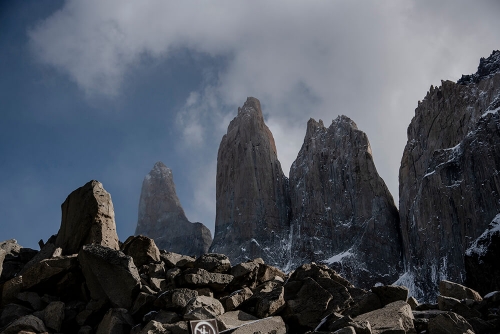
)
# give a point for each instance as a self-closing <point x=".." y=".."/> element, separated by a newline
<point x="104" y="89"/>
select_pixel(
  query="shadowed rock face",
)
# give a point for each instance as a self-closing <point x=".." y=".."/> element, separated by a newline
<point x="449" y="182"/>
<point x="343" y="213"/>
<point x="162" y="218"/>
<point x="252" y="212"/>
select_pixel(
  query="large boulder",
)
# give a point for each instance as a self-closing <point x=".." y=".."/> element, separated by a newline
<point x="110" y="275"/>
<point x="449" y="187"/>
<point x="252" y="202"/>
<point x="142" y="249"/>
<point x="449" y="323"/>
<point x="396" y="317"/>
<point x="88" y="217"/>
<point x="344" y="214"/>
<point x="162" y="218"/>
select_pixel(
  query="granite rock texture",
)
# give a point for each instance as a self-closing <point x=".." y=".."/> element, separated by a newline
<point x="253" y="205"/>
<point x="343" y="213"/>
<point x="162" y="218"/>
<point x="449" y="180"/>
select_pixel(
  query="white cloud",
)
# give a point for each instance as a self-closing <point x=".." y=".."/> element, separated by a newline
<point x="371" y="61"/>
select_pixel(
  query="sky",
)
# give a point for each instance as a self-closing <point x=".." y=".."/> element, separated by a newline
<point x="103" y="89"/>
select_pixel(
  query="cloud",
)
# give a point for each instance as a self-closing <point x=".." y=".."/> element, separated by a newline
<point x="371" y="61"/>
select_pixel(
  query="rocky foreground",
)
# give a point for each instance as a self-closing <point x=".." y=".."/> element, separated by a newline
<point x="81" y="281"/>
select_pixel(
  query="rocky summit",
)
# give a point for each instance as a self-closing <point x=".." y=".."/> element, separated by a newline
<point x="449" y="188"/>
<point x="162" y="218"/>
<point x="343" y="213"/>
<point x="253" y="205"/>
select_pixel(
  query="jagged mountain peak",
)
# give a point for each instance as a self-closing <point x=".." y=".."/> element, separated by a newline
<point x="344" y="122"/>
<point x="486" y="69"/>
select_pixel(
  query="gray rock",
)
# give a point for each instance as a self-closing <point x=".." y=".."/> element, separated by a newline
<point x="267" y="300"/>
<point x="306" y="309"/>
<point x="11" y="312"/>
<point x="454" y="305"/>
<point x="449" y="184"/>
<point x="110" y="275"/>
<point x="48" y="271"/>
<point x="341" y="206"/>
<point x="10" y="290"/>
<point x="175" y="300"/>
<point x="199" y="278"/>
<point x="173" y="260"/>
<point x="234" y="319"/>
<point x="166" y="317"/>
<point x="202" y="308"/>
<point x="413" y="302"/>
<point x="252" y="202"/>
<point x="458" y="291"/>
<point x="390" y="293"/>
<point x="88" y="217"/>
<point x="162" y="218"/>
<point x="236" y="298"/>
<point x="142" y="249"/>
<point x="26" y="324"/>
<point x="154" y="327"/>
<point x="53" y="316"/>
<point x="32" y="298"/>
<point x="449" y="323"/>
<point x="214" y="263"/>
<point x="395" y="317"/>
<point x="115" y="321"/>
<point x="272" y="325"/>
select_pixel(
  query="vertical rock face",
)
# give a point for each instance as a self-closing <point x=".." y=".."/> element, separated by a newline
<point x="162" y="218"/>
<point x="449" y="181"/>
<point x="88" y="217"/>
<point x="343" y="213"/>
<point x="252" y="213"/>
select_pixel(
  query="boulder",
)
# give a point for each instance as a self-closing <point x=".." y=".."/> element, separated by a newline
<point x="199" y="278"/>
<point x="454" y="305"/>
<point x="110" y="275"/>
<point x="53" y="315"/>
<point x="458" y="291"/>
<point x="154" y="327"/>
<point x="234" y="319"/>
<point x="267" y="300"/>
<point x="11" y="312"/>
<point x="214" y="263"/>
<point x="2" y="258"/>
<point x="395" y="317"/>
<point x="236" y="298"/>
<point x="31" y="298"/>
<point x="162" y="218"/>
<point x="306" y="309"/>
<point x="390" y="293"/>
<point x="252" y="201"/>
<point x="202" y="308"/>
<point x="115" y="321"/>
<point x="173" y="260"/>
<point x="142" y="249"/>
<point x="26" y="324"/>
<point x="88" y="217"/>
<point x="449" y="323"/>
<point x="49" y="271"/>
<point x="176" y="299"/>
